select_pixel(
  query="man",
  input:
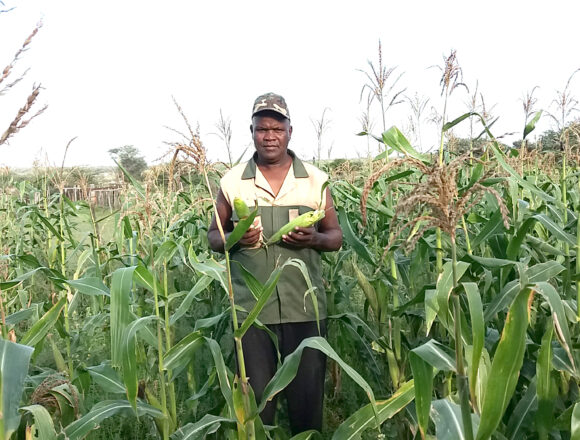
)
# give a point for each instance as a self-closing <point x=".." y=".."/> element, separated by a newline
<point x="283" y="187"/>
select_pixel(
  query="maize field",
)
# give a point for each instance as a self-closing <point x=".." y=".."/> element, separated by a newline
<point x="453" y="303"/>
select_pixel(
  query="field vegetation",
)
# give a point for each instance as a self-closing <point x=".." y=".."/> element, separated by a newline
<point x="453" y="303"/>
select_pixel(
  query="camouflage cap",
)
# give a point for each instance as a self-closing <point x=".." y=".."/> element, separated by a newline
<point x="273" y="102"/>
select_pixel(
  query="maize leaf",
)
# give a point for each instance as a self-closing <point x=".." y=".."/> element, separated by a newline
<point x="89" y="286"/>
<point x="364" y="418"/>
<point x="521" y="417"/>
<point x="448" y="420"/>
<point x="78" y="429"/>
<point x="208" y="424"/>
<point x="477" y="331"/>
<point x="107" y="378"/>
<point x="39" y="330"/>
<point x="120" y="316"/>
<point x="43" y="423"/>
<point x="505" y="367"/>
<point x="352" y="239"/>
<point x="423" y="377"/>
<point x="263" y="292"/>
<point x="240" y="229"/>
<point x="287" y="372"/>
<point x="530" y="126"/>
<point x="14" y="359"/>
<point x="181" y="353"/>
<point x="129" y="360"/>
<point x="575" y="423"/>
<point x="546" y="386"/>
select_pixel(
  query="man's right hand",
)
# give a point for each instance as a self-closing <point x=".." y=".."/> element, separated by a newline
<point x="252" y="235"/>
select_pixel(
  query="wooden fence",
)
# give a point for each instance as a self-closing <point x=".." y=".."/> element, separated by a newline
<point x="104" y="196"/>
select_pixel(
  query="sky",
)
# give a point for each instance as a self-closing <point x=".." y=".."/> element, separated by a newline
<point x="111" y="70"/>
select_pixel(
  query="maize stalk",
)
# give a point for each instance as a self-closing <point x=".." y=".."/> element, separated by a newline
<point x="303" y="221"/>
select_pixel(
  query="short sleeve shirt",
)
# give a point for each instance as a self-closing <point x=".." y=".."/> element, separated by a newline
<point x="302" y="191"/>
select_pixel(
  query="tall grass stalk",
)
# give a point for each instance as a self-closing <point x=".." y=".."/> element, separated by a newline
<point x="160" y="351"/>
<point x="60" y="182"/>
<point x="451" y="78"/>
<point x="564" y="189"/>
<point x="578" y="259"/>
<point x="380" y="88"/>
<point x="462" y="381"/>
<point x="196" y="151"/>
<point x="3" y="315"/>
<point x="566" y="105"/>
<point x="435" y="203"/>
<point x="19" y="122"/>
<point x="245" y="385"/>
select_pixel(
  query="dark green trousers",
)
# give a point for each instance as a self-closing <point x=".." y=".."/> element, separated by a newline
<point x="305" y="394"/>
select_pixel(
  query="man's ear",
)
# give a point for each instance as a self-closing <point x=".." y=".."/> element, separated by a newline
<point x="251" y="129"/>
<point x="290" y="132"/>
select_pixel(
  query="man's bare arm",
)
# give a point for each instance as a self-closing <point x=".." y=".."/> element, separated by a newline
<point x="224" y="211"/>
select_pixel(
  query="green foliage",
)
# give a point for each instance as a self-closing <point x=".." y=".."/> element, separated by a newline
<point x="129" y="157"/>
<point x="553" y="140"/>
<point x="131" y="305"/>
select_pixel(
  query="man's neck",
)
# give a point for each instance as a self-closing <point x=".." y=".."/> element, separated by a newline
<point x="284" y="162"/>
<point x="275" y="172"/>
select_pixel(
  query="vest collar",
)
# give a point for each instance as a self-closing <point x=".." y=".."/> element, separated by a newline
<point x="297" y="165"/>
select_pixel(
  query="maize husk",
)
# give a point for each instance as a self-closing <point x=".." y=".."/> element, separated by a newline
<point x="246" y="221"/>
<point x="367" y="289"/>
<point x="303" y="221"/>
<point x="241" y="208"/>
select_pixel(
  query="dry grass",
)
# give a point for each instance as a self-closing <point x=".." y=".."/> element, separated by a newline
<point x="189" y="153"/>
<point x="19" y="122"/>
<point x="380" y="85"/>
<point x="565" y="104"/>
<point x="451" y="74"/>
<point x="45" y="396"/>
<point x="8" y="69"/>
<point x="350" y="171"/>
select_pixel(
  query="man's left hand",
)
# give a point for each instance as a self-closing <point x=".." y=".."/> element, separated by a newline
<point x="301" y="237"/>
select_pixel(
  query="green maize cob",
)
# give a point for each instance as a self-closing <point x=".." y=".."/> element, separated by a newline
<point x="304" y="221"/>
<point x="367" y="289"/>
<point x="241" y="208"/>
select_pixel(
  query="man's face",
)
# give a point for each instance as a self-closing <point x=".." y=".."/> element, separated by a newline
<point x="271" y="135"/>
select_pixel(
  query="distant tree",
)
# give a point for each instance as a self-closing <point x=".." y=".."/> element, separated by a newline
<point x="549" y="140"/>
<point x="130" y="158"/>
<point x="459" y="145"/>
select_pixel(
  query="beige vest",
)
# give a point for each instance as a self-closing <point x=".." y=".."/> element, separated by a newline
<point x="301" y="191"/>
